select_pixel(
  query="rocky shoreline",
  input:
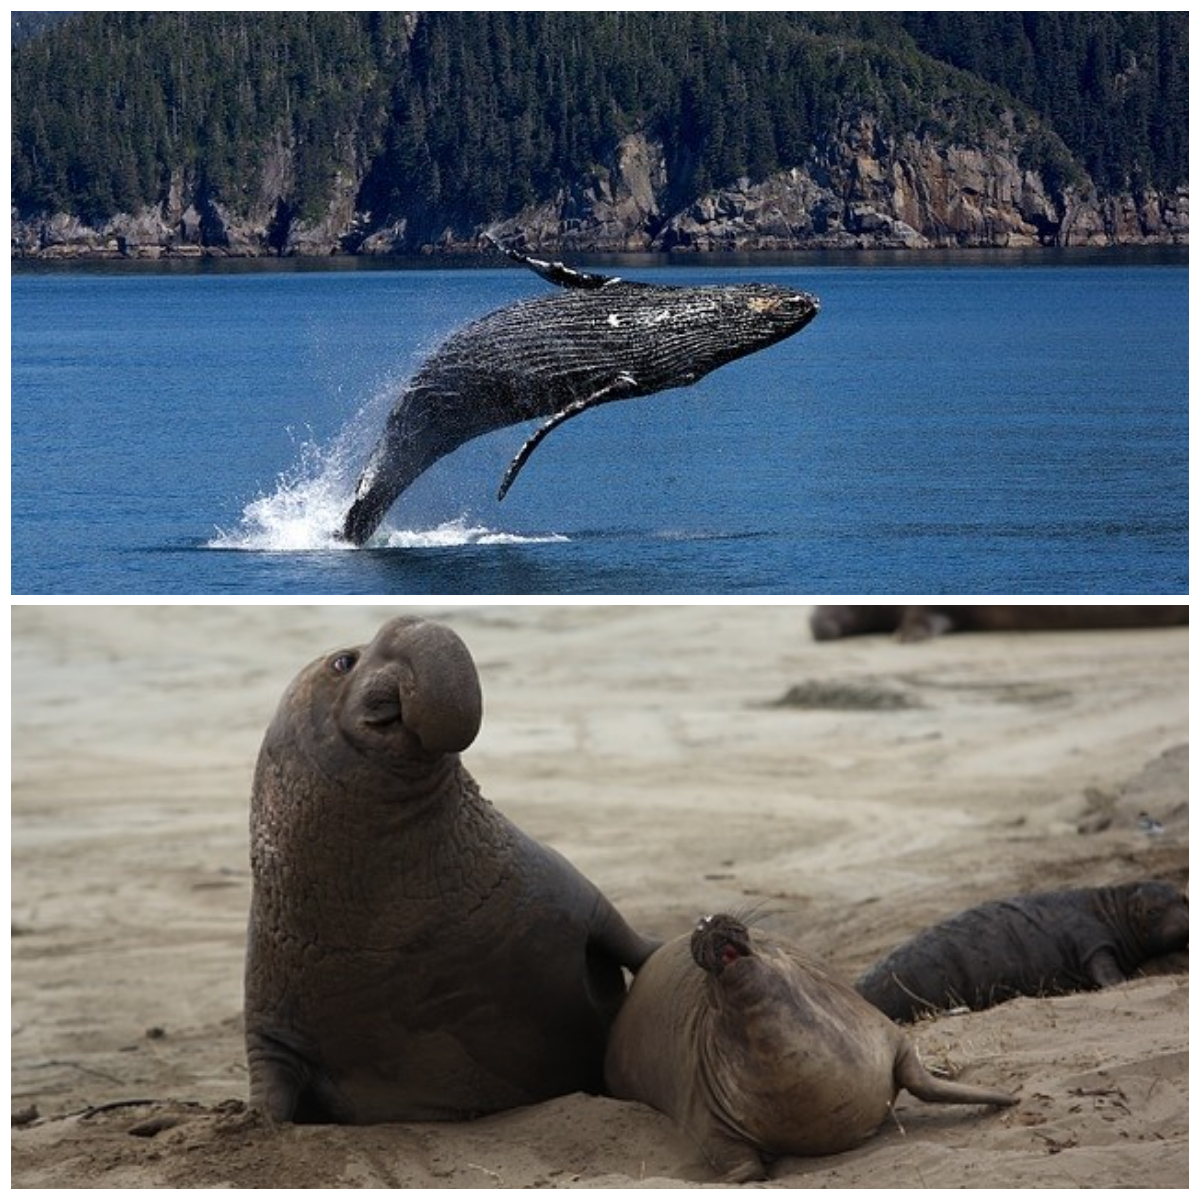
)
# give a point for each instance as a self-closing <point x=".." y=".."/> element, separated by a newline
<point x="862" y="190"/>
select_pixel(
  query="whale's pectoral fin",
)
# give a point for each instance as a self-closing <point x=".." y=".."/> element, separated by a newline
<point x="555" y="272"/>
<point x="622" y="386"/>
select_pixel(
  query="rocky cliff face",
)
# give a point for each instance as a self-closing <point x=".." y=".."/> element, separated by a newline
<point x="860" y="189"/>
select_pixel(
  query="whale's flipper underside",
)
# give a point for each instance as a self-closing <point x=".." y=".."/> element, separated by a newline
<point x="620" y="387"/>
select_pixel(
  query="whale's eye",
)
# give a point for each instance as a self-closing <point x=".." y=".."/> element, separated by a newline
<point x="343" y="664"/>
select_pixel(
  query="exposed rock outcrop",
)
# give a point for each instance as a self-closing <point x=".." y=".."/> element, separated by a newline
<point x="860" y="189"/>
<point x="616" y="209"/>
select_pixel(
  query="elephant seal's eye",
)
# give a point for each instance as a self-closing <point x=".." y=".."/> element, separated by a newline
<point x="343" y="664"/>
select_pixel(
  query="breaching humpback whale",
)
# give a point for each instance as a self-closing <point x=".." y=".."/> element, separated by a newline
<point x="598" y="340"/>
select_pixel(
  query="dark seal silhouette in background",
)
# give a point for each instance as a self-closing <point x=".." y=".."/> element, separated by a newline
<point x="916" y="622"/>
<point x="1043" y="944"/>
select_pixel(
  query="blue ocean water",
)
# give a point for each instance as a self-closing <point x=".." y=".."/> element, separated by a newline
<point x="984" y="424"/>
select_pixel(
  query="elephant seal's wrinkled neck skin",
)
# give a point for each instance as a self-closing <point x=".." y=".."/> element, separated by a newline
<point x="597" y="340"/>
<point x="412" y="955"/>
<point x="755" y="1049"/>
<point x="363" y="744"/>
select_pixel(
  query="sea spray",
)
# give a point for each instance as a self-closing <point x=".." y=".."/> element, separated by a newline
<point x="305" y="510"/>
<point x="460" y="532"/>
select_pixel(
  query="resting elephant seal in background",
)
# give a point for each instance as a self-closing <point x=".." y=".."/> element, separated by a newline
<point x="597" y="340"/>
<point x="412" y="955"/>
<point x="753" y="1048"/>
<point x="916" y="622"/>
<point x="1037" y="945"/>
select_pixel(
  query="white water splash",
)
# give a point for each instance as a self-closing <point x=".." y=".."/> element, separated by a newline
<point x="306" y="510"/>
<point x="300" y="515"/>
<point x="459" y="533"/>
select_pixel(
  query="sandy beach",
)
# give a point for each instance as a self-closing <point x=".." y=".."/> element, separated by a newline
<point x="896" y="785"/>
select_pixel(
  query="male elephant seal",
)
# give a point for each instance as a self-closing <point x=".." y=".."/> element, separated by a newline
<point x="598" y="340"/>
<point x="412" y="954"/>
<point x="1037" y="945"/>
<point x="753" y="1048"/>
<point x="916" y="622"/>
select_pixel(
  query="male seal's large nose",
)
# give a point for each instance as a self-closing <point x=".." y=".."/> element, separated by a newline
<point x="440" y="699"/>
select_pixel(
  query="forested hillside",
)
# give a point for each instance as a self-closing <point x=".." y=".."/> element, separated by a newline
<point x="1114" y="86"/>
<point x="421" y="123"/>
<point x="26" y="25"/>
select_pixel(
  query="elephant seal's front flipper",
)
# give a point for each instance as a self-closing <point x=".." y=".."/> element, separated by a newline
<point x="286" y="1086"/>
<point x="619" y="388"/>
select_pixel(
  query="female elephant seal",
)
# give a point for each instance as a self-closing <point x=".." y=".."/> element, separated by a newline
<point x="412" y="955"/>
<point x="1044" y="944"/>
<point x="753" y="1048"/>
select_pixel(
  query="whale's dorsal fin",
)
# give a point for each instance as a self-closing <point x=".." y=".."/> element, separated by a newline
<point x="556" y="272"/>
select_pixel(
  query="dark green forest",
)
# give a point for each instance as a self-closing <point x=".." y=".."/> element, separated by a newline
<point x="479" y="114"/>
<point x="26" y="25"/>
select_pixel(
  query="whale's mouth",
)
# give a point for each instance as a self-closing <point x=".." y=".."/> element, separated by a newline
<point x="800" y="309"/>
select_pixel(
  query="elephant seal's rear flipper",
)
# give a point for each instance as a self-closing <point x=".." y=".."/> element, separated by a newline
<point x="912" y="1075"/>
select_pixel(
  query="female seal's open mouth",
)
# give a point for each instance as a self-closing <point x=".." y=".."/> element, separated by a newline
<point x="719" y="941"/>
<point x="731" y="953"/>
